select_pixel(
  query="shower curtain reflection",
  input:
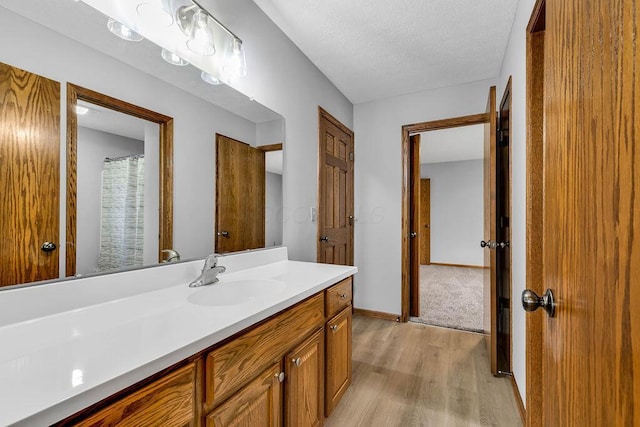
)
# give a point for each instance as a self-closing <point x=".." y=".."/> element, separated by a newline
<point x="122" y="213"/>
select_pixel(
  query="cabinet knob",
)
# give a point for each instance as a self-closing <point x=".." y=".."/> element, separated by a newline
<point x="343" y="296"/>
<point x="280" y="377"/>
<point x="334" y="328"/>
<point x="296" y="361"/>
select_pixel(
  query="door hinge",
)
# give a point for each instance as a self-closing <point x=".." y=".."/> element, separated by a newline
<point x="501" y="139"/>
<point x="504" y="221"/>
<point x="351" y="156"/>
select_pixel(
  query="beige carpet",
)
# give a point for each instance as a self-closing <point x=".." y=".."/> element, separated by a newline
<point x="451" y="297"/>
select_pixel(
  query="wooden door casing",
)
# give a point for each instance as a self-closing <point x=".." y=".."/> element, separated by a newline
<point x="335" y="192"/>
<point x="338" y="359"/>
<point x="240" y="196"/>
<point x="490" y="222"/>
<point x="259" y="403"/>
<point x="425" y="221"/>
<point x="29" y="175"/>
<point x="591" y="348"/>
<point x="304" y="387"/>
<point x="414" y="224"/>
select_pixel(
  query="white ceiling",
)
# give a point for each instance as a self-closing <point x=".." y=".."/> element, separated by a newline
<point x="452" y="145"/>
<point x="375" y="50"/>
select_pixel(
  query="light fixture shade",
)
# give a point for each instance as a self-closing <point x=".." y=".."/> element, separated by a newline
<point x="80" y="110"/>
<point x="235" y="63"/>
<point x="196" y="24"/>
<point x="210" y="78"/>
<point x="123" y="31"/>
<point x="172" y="58"/>
<point x="158" y="13"/>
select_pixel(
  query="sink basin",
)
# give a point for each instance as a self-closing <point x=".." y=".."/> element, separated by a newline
<point x="235" y="292"/>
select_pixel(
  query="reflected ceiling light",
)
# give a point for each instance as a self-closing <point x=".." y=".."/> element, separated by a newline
<point x="210" y="78"/>
<point x="123" y="31"/>
<point x="156" y="13"/>
<point x="196" y="24"/>
<point x="80" y="110"/>
<point x="235" y="64"/>
<point x="172" y="58"/>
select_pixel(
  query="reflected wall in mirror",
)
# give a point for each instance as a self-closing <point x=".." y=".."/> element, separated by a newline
<point x="119" y="183"/>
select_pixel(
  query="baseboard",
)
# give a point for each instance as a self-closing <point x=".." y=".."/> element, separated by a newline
<point x="457" y="265"/>
<point x="376" y="314"/>
<point x="518" y="396"/>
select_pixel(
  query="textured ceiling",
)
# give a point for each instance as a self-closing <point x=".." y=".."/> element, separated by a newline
<point x="452" y="145"/>
<point x="375" y="50"/>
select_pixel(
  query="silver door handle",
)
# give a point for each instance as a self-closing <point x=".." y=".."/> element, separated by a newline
<point x="48" y="247"/>
<point x="413" y="234"/>
<point x="223" y="234"/>
<point x="531" y="301"/>
<point x="324" y="238"/>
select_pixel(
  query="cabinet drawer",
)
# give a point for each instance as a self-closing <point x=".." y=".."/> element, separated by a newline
<point x="234" y="364"/>
<point x="169" y="401"/>
<point x="338" y="297"/>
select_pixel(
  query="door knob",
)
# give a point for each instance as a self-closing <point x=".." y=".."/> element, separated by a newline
<point x="223" y="234"/>
<point x="531" y="301"/>
<point x="413" y="234"/>
<point x="324" y="238"/>
<point x="48" y="247"/>
<point x="296" y="361"/>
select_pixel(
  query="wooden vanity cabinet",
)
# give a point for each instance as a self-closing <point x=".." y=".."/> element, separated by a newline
<point x="338" y="310"/>
<point x="304" y="383"/>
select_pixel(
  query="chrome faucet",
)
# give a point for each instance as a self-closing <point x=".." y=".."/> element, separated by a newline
<point x="209" y="273"/>
<point x="171" y="255"/>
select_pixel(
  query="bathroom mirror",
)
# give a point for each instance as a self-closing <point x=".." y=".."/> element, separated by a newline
<point x="69" y="43"/>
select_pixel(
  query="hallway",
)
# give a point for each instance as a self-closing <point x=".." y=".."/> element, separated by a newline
<point x="407" y="374"/>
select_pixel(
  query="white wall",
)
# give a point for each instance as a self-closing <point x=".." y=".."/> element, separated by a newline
<point x="457" y="205"/>
<point x="514" y="65"/>
<point x="273" y="210"/>
<point x="378" y="183"/>
<point x="93" y="147"/>
<point x="280" y="77"/>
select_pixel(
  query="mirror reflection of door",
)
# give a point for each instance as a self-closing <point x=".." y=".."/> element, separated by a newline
<point x="117" y="190"/>
<point x="29" y="176"/>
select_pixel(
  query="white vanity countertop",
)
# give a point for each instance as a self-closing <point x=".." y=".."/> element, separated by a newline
<point x="55" y="365"/>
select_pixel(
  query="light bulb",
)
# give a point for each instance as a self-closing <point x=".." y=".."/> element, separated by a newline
<point x="235" y="64"/>
<point x="201" y="41"/>
<point x="172" y="58"/>
<point x="123" y="31"/>
<point x="210" y="78"/>
<point x="80" y="110"/>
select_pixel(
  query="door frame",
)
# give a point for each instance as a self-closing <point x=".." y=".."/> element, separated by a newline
<point x="534" y="205"/>
<point x="165" y="178"/>
<point x="407" y="130"/>
<point x="324" y="114"/>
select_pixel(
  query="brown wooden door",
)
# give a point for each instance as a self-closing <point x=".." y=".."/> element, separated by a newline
<point x="338" y="369"/>
<point x="240" y="196"/>
<point x="490" y="277"/>
<point x="503" y="234"/>
<point x="414" y="225"/>
<point x="425" y="221"/>
<point x="29" y="175"/>
<point x="257" y="404"/>
<point x="304" y="392"/>
<point x="591" y="348"/>
<point x="335" y="196"/>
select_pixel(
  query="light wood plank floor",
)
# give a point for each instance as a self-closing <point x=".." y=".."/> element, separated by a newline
<point x="408" y="374"/>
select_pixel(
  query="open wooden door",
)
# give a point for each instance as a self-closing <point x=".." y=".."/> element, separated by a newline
<point x="29" y="176"/>
<point x="335" y="194"/>
<point x="240" y="196"/>
<point x="590" y="347"/>
<point x="490" y="277"/>
<point x="425" y="221"/>
<point x="414" y="225"/>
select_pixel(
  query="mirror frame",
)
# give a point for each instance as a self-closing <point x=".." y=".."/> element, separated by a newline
<point x="75" y="93"/>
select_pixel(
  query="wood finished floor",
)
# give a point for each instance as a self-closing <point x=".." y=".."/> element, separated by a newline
<point x="408" y="374"/>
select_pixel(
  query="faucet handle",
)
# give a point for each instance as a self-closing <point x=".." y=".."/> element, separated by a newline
<point x="211" y="261"/>
<point x="172" y="255"/>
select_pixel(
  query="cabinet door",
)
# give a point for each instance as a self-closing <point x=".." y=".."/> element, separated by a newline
<point x="304" y="392"/>
<point x="259" y="404"/>
<point x="338" y="361"/>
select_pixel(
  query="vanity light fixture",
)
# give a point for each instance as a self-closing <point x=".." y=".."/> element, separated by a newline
<point x="172" y="58"/>
<point x="196" y="24"/>
<point x="80" y="110"/>
<point x="123" y="31"/>
<point x="210" y="78"/>
<point x="235" y="64"/>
